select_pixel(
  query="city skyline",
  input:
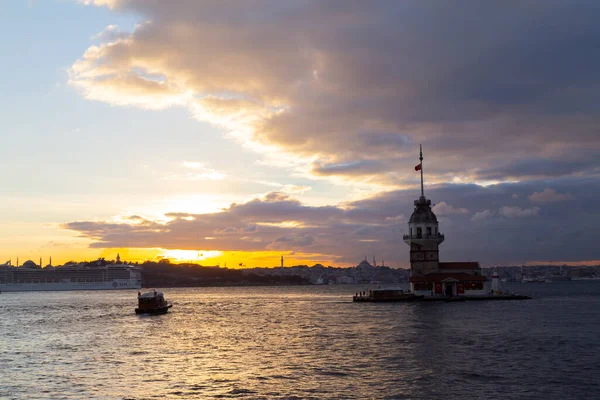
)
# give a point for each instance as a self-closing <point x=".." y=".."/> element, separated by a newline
<point x="237" y="133"/>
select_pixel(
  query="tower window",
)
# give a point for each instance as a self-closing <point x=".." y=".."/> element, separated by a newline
<point x="419" y="231"/>
<point x="428" y="231"/>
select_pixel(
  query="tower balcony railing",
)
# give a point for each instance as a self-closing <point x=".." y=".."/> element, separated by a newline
<point x="424" y="236"/>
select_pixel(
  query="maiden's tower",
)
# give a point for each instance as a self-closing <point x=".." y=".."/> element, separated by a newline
<point x="429" y="276"/>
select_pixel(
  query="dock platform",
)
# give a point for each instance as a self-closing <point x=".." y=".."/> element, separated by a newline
<point x="478" y="298"/>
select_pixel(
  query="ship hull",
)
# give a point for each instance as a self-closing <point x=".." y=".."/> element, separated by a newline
<point x="117" y="284"/>
<point x="398" y="299"/>
<point x="478" y="298"/>
<point x="154" y="311"/>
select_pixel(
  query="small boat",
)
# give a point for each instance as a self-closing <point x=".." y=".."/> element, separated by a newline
<point x="152" y="303"/>
<point x="386" y="295"/>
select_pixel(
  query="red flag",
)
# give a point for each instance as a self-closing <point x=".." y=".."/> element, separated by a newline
<point x="438" y="288"/>
<point x="418" y="167"/>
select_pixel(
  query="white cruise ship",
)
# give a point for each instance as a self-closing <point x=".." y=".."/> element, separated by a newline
<point x="101" y="276"/>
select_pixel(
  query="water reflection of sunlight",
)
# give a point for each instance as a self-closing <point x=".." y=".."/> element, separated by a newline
<point x="293" y="341"/>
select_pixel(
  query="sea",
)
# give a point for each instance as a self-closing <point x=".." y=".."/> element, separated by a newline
<point x="300" y="342"/>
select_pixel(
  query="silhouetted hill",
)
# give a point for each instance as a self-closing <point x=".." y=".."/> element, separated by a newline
<point x="187" y="275"/>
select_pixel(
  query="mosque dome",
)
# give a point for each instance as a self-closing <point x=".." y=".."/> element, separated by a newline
<point x="30" y="264"/>
<point x="423" y="213"/>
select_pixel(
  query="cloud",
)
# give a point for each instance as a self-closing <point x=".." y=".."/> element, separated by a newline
<point x="356" y="168"/>
<point x="495" y="92"/>
<point x="295" y="189"/>
<point x="286" y="242"/>
<point x="481" y="215"/>
<point x="201" y="172"/>
<point x="287" y="188"/>
<point x="376" y="225"/>
<point x="518" y="212"/>
<point x="443" y="208"/>
<point x="549" y="196"/>
<point x="397" y="219"/>
<point x="365" y="230"/>
<point x="193" y="164"/>
<point x="345" y="91"/>
<point x="250" y="228"/>
<point x="111" y="33"/>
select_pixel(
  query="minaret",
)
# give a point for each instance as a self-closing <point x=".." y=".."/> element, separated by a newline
<point x="281" y="261"/>
<point x="423" y="237"/>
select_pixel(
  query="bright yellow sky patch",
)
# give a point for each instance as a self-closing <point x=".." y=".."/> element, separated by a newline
<point x="230" y="259"/>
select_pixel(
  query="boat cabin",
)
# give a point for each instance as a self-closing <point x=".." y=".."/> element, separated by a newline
<point x="152" y="302"/>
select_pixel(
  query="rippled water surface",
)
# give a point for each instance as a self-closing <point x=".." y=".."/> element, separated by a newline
<point x="300" y="342"/>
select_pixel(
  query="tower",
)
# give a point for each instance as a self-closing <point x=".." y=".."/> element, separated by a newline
<point x="423" y="238"/>
<point x="118" y="259"/>
<point x="495" y="281"/>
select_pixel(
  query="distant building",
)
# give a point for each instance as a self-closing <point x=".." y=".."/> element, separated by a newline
<point x="31" y="264"/>
<point x="345" y="280"/>
<point x="429" y="276"/>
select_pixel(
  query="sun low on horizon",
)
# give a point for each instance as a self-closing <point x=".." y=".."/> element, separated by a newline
<point x="235" y="135"/>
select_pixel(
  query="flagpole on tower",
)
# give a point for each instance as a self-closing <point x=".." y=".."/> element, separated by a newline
<point x="421" y="159"/>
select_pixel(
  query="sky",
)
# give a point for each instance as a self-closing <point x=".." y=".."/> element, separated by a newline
<point x="230" y="132"/>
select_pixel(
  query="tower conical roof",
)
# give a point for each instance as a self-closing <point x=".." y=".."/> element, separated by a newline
<point x="423" y="212"/>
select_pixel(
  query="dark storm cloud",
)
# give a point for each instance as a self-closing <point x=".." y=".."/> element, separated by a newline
<point x="507" y="223"/>
<point x="494" y="90"/>
<point x="364" y="167"/>
<point x="357" y="82"/>
<point x="539" y="168"/>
